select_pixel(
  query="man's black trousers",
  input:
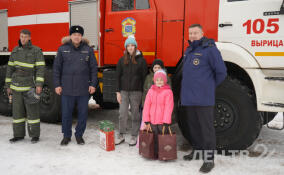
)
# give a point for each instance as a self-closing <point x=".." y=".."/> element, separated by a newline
<point x="201" y="129"/>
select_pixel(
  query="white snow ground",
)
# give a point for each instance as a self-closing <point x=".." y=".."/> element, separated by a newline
<point x="48" y="158"/>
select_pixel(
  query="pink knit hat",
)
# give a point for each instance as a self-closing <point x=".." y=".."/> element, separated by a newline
<point x="161" y="74"/>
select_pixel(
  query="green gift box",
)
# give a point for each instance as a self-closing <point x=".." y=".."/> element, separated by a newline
<point x="106" y="125"/>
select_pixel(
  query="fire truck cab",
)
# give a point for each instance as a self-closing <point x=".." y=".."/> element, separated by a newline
<point x="249" y="34"/>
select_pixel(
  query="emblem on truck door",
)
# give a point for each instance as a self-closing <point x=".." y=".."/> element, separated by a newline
<point x="128" y="27"/>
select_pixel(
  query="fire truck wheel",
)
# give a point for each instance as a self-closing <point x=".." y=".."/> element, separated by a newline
<point x="237" y="121"/>
<point x="267" y="116"/>
<point x="50" y="104"/>
<point x="98" y="96"/>
<point x="5" y="106"/>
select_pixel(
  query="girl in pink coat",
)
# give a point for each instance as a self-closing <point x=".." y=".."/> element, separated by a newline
<point x="158" y="106"/>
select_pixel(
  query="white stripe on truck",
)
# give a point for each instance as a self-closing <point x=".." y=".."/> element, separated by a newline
<point x="48" y="18"/>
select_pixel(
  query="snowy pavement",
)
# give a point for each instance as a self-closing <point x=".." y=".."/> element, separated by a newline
<point x="49" y="158"/>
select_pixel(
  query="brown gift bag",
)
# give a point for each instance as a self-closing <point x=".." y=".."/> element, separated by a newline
<point x="167" y="145"/>
<point x="146" y="143"/>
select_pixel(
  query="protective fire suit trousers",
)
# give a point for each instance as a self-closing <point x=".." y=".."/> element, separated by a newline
<point x="201" y="130"/>
<point x="23" y="112"/>
<point x="68" y="104"/>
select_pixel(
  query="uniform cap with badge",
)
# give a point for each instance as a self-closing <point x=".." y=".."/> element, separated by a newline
<point x="76" y="29"/>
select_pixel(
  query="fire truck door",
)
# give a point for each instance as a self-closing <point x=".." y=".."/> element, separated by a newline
<point x="4" y="30"/>
<point x="257" y="26"/>
<point x="85" y="13"/>
<point x="129" y="17"/>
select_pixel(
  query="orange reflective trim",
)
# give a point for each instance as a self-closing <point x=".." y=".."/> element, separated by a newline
<point x="269" y="54"/>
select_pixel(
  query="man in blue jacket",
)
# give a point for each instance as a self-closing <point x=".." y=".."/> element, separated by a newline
<point x="75" y="78"/>
<point x="203" y="70"/>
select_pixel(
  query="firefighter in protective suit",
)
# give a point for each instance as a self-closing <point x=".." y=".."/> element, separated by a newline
<point x="24" y="80"/>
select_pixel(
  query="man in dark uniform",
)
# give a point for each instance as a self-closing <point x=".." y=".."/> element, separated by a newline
<point x="75" y="78"/>
<point x="25" y="72"/>
<point x="203" y="70"/>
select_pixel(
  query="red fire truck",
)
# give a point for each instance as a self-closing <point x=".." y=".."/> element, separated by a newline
<point x="249" y="34"/>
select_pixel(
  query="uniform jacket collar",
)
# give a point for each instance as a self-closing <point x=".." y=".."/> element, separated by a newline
<point x="67" y="40"/>
<point x="203" y="42"/>
<point x="28" y="45"/>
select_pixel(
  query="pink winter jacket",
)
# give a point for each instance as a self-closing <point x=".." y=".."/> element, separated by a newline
<point x="158" y="106"/>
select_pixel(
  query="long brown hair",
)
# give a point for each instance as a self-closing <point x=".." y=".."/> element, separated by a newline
<point x="128" y="57"/>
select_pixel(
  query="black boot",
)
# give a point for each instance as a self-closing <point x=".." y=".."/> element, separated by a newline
<point x="194" y="155"/>
<point x="206" y="167"/>
<point x="16" y="139"/>
<point x="80" y="141"/>
<point x="65" y="141"/>
<point x="35" y="139"/>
